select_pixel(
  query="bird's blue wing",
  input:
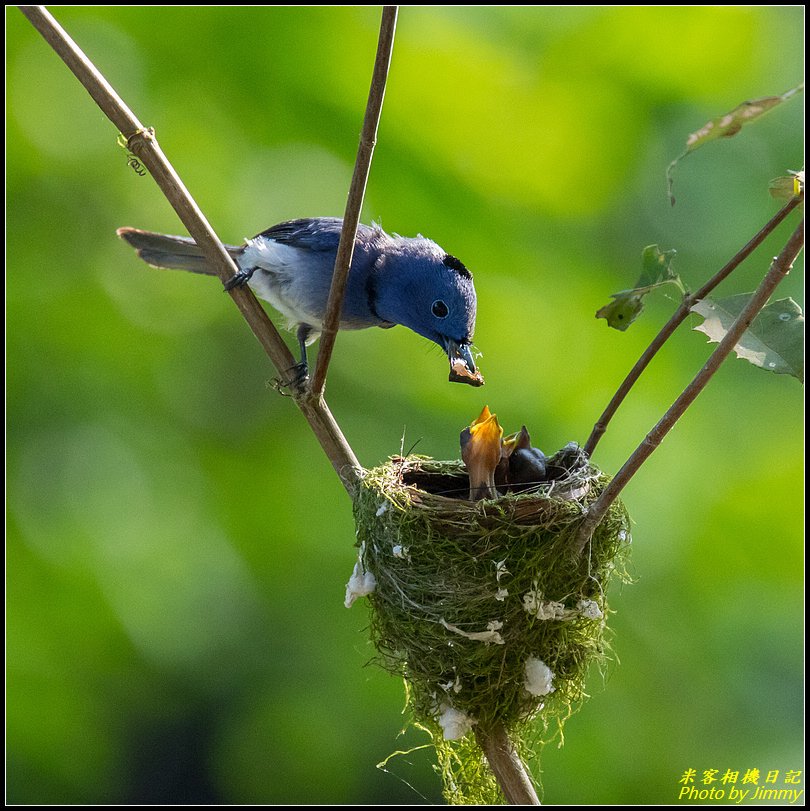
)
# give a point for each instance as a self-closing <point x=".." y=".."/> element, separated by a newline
<point x="311" y="234"/>
<point x="317" y="233"/>
<point x="298" y="283"/>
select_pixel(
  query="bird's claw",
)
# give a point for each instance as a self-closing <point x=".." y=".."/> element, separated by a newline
<point x="295" y="381"/>
<point x="239" y="279"/>
<point x="298" y="378"/>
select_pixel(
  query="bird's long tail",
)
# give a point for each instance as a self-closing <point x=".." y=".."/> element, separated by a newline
<point x="165" y="251"/>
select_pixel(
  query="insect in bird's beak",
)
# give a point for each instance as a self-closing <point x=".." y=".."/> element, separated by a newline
<point x="462" y="365"/>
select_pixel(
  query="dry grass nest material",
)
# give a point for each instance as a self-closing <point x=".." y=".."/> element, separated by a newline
<point x="470" y="596"/>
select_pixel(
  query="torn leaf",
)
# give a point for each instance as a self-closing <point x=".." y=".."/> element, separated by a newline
<point x="627" y="304"/>
<point x="775" y="339"/>
<point x="622" y="311"/>
<point x="788" y="186"/>
<point x="728" y="124"/>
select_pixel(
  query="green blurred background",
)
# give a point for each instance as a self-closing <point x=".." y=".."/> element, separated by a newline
<point x="178" y="546"/>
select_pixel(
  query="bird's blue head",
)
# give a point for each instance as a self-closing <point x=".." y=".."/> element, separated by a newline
<point x="424" y="288"/>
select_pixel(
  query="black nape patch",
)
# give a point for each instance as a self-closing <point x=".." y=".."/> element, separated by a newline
<point x="457" y="265"/>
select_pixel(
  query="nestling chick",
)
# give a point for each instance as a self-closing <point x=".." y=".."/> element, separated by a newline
<point x="481" y="452"/>
<point x="527" y="465"/>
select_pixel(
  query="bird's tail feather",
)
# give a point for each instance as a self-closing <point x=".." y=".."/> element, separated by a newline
<point x="165" y="251"/>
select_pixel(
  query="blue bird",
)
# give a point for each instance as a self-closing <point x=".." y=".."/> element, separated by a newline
<point x="393" y="280"/>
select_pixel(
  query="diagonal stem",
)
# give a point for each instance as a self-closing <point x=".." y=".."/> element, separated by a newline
<point x="677" y="319"/>
<point x="780" y="267"/>
<point x="143" y="143"/>
<point x="354" y="205"/>
<point x="506" y="765"/>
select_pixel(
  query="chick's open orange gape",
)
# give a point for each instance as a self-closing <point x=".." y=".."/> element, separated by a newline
<point x="481" y="451"/>
<point x="498" y="465"/>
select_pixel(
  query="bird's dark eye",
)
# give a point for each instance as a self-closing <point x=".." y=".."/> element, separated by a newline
<point x="439" y="308"/>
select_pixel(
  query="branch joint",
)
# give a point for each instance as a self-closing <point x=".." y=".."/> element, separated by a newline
<point x="140" y="139"/>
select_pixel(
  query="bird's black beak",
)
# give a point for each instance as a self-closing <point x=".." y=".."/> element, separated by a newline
<point x="462" y="365"/>
<point x="460" y="352"/>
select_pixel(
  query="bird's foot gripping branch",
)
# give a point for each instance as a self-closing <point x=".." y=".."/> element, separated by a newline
<point x="481" y="605"/>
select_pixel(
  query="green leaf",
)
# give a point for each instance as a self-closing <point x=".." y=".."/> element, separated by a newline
<point x="775" y="339"/>
<point x="657" y="269"/>
<point x="727" y="125"/>
<point x="787" y="186"/>
<point x="622" y="311"/>
<point x="628" y="304"/>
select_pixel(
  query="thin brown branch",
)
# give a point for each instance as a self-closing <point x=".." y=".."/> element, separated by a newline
<point x="354" y="204"/>
<point x="142" y="142"/>
<point x="780" y="267"/>
<point x="506" y="765"/>
<point x="678" y="317"/>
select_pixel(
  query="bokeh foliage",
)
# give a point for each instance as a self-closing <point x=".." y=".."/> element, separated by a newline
<point x="178" y="546"/>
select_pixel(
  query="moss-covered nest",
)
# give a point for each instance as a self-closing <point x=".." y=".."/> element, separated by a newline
<point x="482" y="606"/>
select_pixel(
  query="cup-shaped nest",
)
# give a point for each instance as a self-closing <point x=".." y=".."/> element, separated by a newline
<point x="484" y="607"/>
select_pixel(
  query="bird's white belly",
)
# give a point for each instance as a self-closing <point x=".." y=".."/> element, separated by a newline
<point x="273" y="281"/>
